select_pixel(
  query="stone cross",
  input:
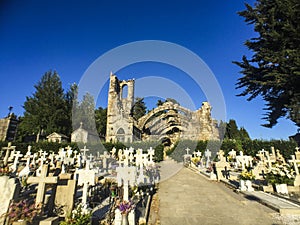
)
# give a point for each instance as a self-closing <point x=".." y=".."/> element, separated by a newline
<point x="207" y="155"/>
<point x="221" y="156"/>
<point x="69" y="151"/>
<point x="17" y="155"/>
<point x="86" y="177"/>
<point x="151" y="153"/>
<point x="261" y="155"/>
<point x="269" y="161"/>
<point x="84" y="150"/>
<point x="138" y="157"/>
<point x="198" y="154"/>
<point x="7" y="154"/>
<point x="42" y="181"/>
<point x="297" y="153"/>
<point x="232" y="153"/>
<point x="187" y="150"/>
<point x="126" y="176"/>
<point x="294" y="161"/>
<point x="40" y="152"/>
<point x="28" y="153"/>
<point x="113" y="151"/>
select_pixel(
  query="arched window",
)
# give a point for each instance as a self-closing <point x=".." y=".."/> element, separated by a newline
<point x="121" y="135"/>
<point x="124" y="91"/>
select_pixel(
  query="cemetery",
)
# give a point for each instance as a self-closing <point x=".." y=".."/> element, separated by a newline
<point x="117" y="187"/>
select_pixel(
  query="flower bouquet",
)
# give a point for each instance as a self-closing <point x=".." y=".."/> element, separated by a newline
<point x="126" y="206"/>
<point x="246" y="175"/>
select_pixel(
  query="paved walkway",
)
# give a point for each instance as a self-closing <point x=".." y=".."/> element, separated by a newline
<point x="188" y="198"/>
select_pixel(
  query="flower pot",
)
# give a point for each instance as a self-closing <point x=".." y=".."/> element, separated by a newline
<point x="243" y="186"/>
<point x="125" y="219"/>
<point x="248" y="184"/>
<point x="281" y="188"/>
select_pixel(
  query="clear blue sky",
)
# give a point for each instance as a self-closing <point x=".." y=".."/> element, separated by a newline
<point x="67" y="36"/>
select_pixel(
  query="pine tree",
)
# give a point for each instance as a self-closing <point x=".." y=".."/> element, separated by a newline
<point x="45" y="110"/>
<point x="139" y="108"/>
<point x="273" y="71"/>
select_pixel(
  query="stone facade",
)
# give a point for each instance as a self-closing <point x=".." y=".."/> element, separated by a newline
<point x="168" y="122"/>
<point x="8" y="128"/>
<point x="56" y="137"/>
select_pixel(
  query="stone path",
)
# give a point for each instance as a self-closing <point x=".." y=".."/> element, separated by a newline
<point x="189" y="198"/>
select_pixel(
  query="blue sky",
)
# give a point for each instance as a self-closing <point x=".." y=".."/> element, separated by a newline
<point x="68" y="36"/>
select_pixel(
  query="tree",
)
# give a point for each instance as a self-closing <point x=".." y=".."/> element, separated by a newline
<point x="273" y="71"/>
<point x="101" y="119"/>
<point x="232" y="131"/>
<point x="45" y="110"/>
<point x="84" y="112"/>
<point x="71" y="101"/>
<point x="139" y="108"/>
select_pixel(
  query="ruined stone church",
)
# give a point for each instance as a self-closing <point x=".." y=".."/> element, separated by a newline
<point x="167" y="123"/>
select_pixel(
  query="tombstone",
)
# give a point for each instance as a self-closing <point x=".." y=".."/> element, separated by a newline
<point x="8" y="149"/>
<point x="42" y="181"/>
<point x="17" y="155"/>
<point x="273" y="154"/>
<point x="279" y="157"/>
<point x="84" y="150"/>
<point x="295" y="162"/>
<point x="259" y="170"/>
<point x="86" y="177"/>
<point x="104" y="161"/>
<point x="113" y="152"/>
<point x="269" y="161"/>
<point x="151" y="153"/>
<point x="297" y="153"/>
<point x="207" y="156"/>
<point x="65" y="195"/>
<point x="10" y="190"/>
<point x="138" y="157"/>
<point x="221" y="165"/>
<point x="126" y="176"/>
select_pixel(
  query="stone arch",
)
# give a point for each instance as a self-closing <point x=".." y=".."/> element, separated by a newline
<point x="124" y="91"/>
<point x="121" y="135"/>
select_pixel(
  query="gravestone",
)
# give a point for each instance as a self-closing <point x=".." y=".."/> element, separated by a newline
<point x="10" y="190"/>
<point x="220" y="165"/>
<point x="8" y="149"/>
<point x="207" y="156"/>
<point x="295" y="162"/>
<point x="86" y="177"/>
<point x="65" y="195"/>
<point x="42" y="181"/>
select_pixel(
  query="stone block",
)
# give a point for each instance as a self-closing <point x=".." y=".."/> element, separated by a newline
<point x="50" y="221"/>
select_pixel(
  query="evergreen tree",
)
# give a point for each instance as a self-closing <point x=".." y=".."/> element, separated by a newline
<point x="84" y="112"/>
<point x="244" y="134"/>
<point x="101" y="119"/>
<point x="45" y="111"/>
<point x="139" y="108"/>
<point x="232" y="131"/>
<point x="273" y="71"/>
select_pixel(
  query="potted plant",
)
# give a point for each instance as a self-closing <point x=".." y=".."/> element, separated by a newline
<point x="246" y="178"/>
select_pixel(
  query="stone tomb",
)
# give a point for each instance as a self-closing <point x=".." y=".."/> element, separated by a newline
<point x="42" y="181"/>
<point x="9" y="191"/>
<point x="65" y="195"/>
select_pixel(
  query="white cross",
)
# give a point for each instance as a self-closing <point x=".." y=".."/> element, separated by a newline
<point x="16" y="155"/>
<point x="84" y="150"/>
<point x="42" y="181"/>
<point x="187" y="150"/>
<point x="7" y="154"/>
<point x="151" y="153"/>
<point x="295" y="161"/>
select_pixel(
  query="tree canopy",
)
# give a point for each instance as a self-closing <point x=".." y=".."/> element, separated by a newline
<point x="46" y="110"/>
<point x="273" y="70"/>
